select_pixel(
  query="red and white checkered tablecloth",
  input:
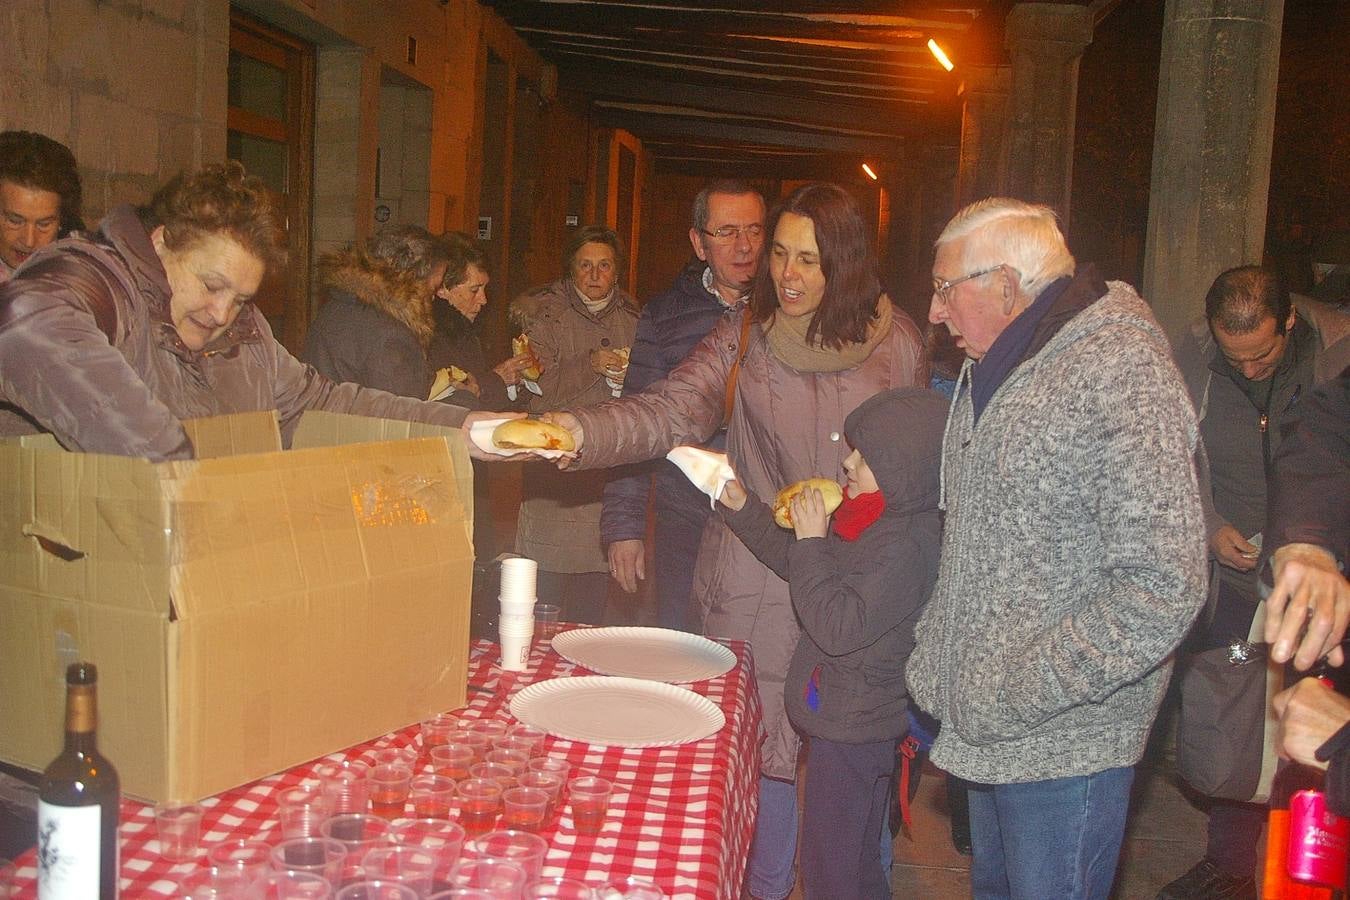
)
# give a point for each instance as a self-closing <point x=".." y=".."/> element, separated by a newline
<point x="679" y="816"/>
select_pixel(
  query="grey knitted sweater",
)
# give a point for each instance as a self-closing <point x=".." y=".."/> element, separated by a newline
<point x="1073" y="559"/>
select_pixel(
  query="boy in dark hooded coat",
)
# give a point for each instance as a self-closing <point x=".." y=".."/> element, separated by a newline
<point x="858" y="587"/>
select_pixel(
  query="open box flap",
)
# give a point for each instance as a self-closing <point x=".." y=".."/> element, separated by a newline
<point x="83" y="525"/>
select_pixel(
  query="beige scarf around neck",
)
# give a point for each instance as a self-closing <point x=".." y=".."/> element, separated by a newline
<point x="787" y="341"/>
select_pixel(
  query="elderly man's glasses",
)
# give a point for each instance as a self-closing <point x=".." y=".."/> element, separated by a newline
<point x="729" y="233"/>
<point x="942" y="288"/>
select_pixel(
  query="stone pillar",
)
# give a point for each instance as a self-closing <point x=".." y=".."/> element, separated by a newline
<point x="1044" y="42"/>
<point x="983" y="161"/>
<point x="1211" y="149"/>
<point x="346" y="129"/>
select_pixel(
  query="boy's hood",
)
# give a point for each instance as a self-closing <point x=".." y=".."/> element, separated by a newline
<point x="899" y="434"/>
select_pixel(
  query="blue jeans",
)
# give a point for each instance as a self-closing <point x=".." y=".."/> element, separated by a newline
<point x="773" y="851"/>
<point x="1058" y="838"/>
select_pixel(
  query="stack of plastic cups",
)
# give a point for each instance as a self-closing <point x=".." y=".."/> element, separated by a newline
<point x="515" y="625"/>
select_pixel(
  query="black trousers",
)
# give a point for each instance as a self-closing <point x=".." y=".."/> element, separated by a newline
<point x="677" y="535"/>
<point x="847" y="797"/>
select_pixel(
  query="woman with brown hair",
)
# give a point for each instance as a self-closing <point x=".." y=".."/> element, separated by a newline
<point x="820" y="339"/>
<point x="456" y="340"/>
<point x="109" y="341"/>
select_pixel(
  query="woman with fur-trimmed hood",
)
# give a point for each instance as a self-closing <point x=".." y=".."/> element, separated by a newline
<point x="376" y="323"/>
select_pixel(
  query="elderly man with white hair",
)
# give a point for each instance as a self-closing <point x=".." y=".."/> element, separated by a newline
<point x="1073" y="558"/>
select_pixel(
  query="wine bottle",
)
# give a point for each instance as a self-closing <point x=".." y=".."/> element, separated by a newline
<point x="78" y="800"/>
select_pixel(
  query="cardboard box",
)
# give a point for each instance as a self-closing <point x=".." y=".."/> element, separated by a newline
<point x="248" y="610"/>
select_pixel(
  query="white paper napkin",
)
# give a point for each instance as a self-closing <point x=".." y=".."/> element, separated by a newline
<point x="707" y="470"/>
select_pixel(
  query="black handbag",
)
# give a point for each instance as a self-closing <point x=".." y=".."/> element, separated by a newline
<point x="1226" y="733"/>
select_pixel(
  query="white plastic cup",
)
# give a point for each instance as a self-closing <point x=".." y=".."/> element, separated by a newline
<point x="517" y="608"/>
<point x="515" y="623"/>
<point x="520" y="847"/>
<point x="515" y="645"/>
<point x="519" y="579"/>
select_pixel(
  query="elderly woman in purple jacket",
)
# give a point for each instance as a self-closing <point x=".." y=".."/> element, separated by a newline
<point x="822" y="338"/>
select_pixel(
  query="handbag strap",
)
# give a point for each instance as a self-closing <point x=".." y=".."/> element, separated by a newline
<point x="729" y="402"/>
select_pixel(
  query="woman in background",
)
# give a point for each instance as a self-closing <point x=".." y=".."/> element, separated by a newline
<point x="377" y="323"/>
<point x="456" y="341"/>
<point x="578" y="326"/>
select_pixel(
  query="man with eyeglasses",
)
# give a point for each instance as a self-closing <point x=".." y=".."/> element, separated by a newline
<point x="727" y="234"/>
<point x="1073" y="557"/>
<point x="1248" y="362"/>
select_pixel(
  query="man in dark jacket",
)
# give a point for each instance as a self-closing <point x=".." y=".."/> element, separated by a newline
<point x="1308" y="531"/>
<point x="1310" y="527"/>
<point x="1246" y="365"/>
<point x="727" y="232"/>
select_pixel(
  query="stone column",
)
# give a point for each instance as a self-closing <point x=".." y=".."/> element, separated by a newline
<point x="983" y="161"/>
<point x="1044" y="42"/>
<point x="346" y="131"/>
<point x="1211" y="149"/>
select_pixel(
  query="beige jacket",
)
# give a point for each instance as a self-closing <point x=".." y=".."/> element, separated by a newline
<point x="559" y="522"/>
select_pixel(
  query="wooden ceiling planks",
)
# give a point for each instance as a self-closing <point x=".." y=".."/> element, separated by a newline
<point x="794" y="83"/>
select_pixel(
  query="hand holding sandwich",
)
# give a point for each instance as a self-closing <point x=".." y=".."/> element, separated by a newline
<point x="512" y="369"/>
<point x="809" y="516"/>
<point x="568" y="421"/>
<point x="610" y="364"/>
<point x="477" y="452"/>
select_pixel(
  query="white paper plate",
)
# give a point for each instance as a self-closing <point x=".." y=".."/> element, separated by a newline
<point x="481" y="434"/>
<point x="617" y="712"/>
<point x="655" y="654"/>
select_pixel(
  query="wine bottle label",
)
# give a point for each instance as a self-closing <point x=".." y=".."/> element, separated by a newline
<point x="68" y="851"/>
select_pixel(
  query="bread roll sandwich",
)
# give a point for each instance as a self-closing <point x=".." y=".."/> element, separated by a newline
<point x="446" y="380"/>
<point x="521" y="344"/>
<point x="830" y="492"/>
<point x="532" y="434"/>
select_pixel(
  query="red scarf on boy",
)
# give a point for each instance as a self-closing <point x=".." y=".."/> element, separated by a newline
<point x="855" y="514"/>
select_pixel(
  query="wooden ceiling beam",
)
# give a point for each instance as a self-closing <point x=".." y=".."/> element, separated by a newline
<point x="865" y="87"/>
<point x="623" y="18"/>
<point x="785" y="106"/>
<point x="749" y="119"/>
<point x="649" y="126"/>
<point x="745" y="44"/>
<point x="817" y="167"/>
<point x="915" y="68"/>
